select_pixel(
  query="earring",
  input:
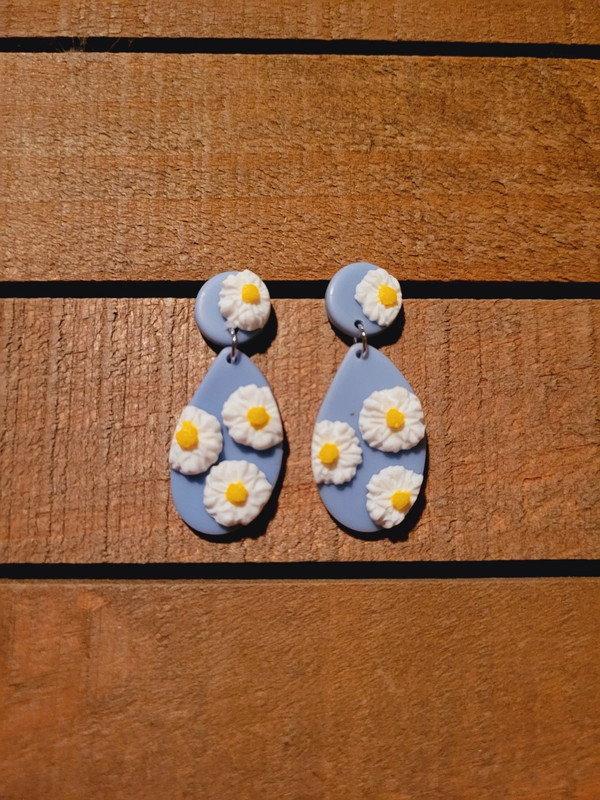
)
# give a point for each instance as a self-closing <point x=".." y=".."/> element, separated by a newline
<point x="226" y="453"/>
<point x="368" y="447"/>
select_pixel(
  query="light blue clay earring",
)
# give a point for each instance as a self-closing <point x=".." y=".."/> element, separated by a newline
<point x="368" y="446"/>
<point x="227" y="449"/>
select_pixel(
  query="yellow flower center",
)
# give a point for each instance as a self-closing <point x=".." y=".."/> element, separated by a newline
<point x="250" y="293"/>
<point x="394" y="419"/>
<point x="187" y="435"/>
<point x="258" y="417"/>
<point x="400" y="500"/>
<point x="329" y="453"/>
<point x="236" y="493"/>
<point x="388" y="296"/>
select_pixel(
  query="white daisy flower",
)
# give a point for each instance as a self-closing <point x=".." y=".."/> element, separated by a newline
<point x="197" y="442"/>
<point x="379" y="296"/>
<point x="244" y="301"/>
<point x="335" y="452"/>
<point x="252" y="417"/>
<point x="392" y="420"/>
<point x="391" y="494"/>
<point x="236" y="492"/>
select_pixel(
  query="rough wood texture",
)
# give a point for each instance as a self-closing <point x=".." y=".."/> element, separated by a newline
<point x="510" y="390"/>
<point x="172" y="167"/>
<point x="479" y="21"/>
<point x="415" y="690"/>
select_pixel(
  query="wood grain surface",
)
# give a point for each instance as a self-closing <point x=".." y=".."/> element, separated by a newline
<point x="174" y="167"/>
<point x="480" y="21"/>
<point x="94" y="386"/>
<point x="149" y="166"/>
<point x="447" y="690"/>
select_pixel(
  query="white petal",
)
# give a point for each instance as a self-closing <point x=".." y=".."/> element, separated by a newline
<point x="198" y="459"/>
<point x="350" y="453"/>
<point x="217" y="481"/>
<point x="382" y="486"/>
<point x="235" y="410"/>
<point x="367" y="294"/>
<point x="373" y="425"/>
<point x="238" y="313"/>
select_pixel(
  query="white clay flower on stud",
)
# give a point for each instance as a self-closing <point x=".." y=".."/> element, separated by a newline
<point x="392" y="420"/>
<point x="391" y="494"/>
<point x="197" y="442"/>
<point x="335" y="452"/>
<point x="236" y="492"/>
<point x="244" y="301"/>
<point x="252" y="417"/>
<point x="379" y="296"/>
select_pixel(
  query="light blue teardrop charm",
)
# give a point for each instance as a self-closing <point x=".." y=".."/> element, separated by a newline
<point x="227" y="450"/>
<point x="368" y="450"/>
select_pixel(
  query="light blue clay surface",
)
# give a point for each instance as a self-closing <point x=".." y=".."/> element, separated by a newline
<point x="342" y="309"/>
<point x="212" y="324"/>
<point x="220" y="381"/>
<point x="354" y="381"/>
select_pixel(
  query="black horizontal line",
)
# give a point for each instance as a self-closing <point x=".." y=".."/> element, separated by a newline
<point x="307" y="570"/>
<point x="476" y="290"/>
<point x="362" y="47"/>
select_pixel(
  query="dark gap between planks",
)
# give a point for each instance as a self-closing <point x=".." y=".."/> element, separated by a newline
<point x="351" y="47"/>
<point x="378" y="570"/>
<point x="311" y="289"/>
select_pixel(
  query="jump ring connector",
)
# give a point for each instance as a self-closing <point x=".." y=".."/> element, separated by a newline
<point x="363" y="338"/>
<point x="234" y="344"/>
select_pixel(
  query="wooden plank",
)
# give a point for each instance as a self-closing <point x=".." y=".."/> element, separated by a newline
<point x="322" y="690"/>
<point x="177" y="166"/>
<point x="422" y="20"/>
<point x="94" y="386"/>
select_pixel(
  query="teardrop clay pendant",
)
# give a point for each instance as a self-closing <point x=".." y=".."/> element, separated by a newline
<point x="227" y="451"/>
<point x="368" y="448"/>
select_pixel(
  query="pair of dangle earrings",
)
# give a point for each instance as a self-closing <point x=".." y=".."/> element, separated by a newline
<point x="368" y="448"/>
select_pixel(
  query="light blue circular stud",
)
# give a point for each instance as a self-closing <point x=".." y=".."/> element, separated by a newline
<point x="213" y="325"/>
<point x="342" y="309"/>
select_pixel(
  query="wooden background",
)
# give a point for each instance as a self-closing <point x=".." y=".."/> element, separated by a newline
<point x="457" y="147"/>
